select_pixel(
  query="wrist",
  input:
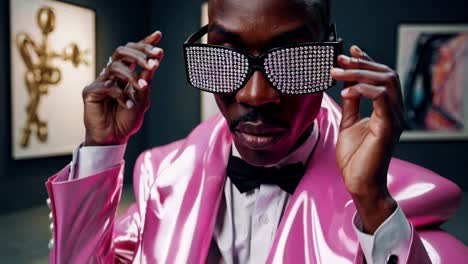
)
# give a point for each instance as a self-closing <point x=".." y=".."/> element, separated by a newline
<point x="374" y="209"/>
<point x="109" y="141"/>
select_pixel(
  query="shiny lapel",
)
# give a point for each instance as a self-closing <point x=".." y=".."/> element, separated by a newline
<point x="183" y="203"/>
<point x="316" y="226"/>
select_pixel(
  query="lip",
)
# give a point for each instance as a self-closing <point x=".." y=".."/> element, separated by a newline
<point x="258" y="135"/>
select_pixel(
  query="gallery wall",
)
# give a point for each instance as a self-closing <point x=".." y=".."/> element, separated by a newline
<point x="175" y="107"/>
<point x="373" y="26"/>
<point x="22" y="181"/>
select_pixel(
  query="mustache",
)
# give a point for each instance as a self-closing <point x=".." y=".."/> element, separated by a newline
<point x="255" y="115"/>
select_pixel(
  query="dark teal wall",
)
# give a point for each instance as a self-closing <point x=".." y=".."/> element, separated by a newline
<point x="175" y="107"/>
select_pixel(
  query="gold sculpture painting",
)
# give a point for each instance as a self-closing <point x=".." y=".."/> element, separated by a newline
<point x="41" y="73"/>
<point x="432" y="64"/>
<point x="52" y="47"/>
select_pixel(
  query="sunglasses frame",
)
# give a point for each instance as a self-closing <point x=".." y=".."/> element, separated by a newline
<point x="256" y="62"/>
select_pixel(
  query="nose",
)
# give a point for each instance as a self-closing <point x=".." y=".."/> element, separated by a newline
<point x="257" y="91"/>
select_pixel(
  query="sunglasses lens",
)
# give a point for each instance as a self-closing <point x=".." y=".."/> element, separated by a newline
<point x="302" y="69"/>
<point x="215" y="70"/>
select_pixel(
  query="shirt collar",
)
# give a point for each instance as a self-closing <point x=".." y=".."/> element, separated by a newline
<point x="301" y="154"/>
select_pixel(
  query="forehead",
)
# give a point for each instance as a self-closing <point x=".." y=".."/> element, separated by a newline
<point x="264" y="9"/>
<point x="262" y="15"/>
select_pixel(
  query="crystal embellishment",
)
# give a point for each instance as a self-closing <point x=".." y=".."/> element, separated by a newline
<point x="216" y="70"/>
<point x="294" y="70"/>
<point x="300" y="70"/>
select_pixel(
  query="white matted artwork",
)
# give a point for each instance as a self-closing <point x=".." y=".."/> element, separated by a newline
<point x="433" y="67"/>
<point x="53" y="53"/>
<point x="207" y="101"/>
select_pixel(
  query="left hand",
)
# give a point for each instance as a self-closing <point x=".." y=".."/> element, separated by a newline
<point x="364" y="148"/>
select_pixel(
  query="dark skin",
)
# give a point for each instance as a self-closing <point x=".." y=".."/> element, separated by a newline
<point x="256" y="34"/>
<point x="277" y="123"/>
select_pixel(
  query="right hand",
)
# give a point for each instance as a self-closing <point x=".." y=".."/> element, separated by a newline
<point x="113" y="113"/>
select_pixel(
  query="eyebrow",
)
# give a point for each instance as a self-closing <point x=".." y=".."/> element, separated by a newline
<point x="279" y="39"/>
<point x="222" y="31"/>
<point x="297" y="33"/>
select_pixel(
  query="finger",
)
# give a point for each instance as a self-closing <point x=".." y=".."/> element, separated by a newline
<point x="143" y="97"/>
<point x="126" y="74"/>
<point x="100" y="90"/>
<point x="378" y="94"/>
<point x="358" y="75"/>
<point x="118" y="71"/>
<point x="126" y="97"/>
<point x="148" y="75"/>
<point x="153" y="39"/>
<point x="132" y="56"/>
<point x="149" y="50"/>
<point x="358" y="63"/>
<point x="385" y="79"/>
<point x="130" y="93"/>
<point x="350" y="109"/>
<point x="357" y="52"/>
<point x="388" y="79"/>
<point x="114" y="91"/>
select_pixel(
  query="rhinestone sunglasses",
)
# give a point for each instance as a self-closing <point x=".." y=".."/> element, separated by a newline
<point x="293" y="70"/>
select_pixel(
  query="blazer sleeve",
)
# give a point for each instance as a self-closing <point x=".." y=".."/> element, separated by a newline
<point x="426" y="247"/>
<point x="85" y="227"/>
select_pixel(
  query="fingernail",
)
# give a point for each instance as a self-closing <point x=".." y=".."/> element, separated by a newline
<point x="155" y="50"/>
<point x="158" y="32"/>
<point x="345" y="58"/>
<point x="130" y="104"/>
<point x="337" y="70"/>
<point x="151" y="63"/>
<point x="357" y="49"/>
<point x="344" y="92"/>
<point x="142" y="83"/>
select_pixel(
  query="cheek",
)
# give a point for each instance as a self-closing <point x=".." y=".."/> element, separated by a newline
<point x="222" y="103"/>
<point x="309" y="107"/>
<point x="225" y="105"/>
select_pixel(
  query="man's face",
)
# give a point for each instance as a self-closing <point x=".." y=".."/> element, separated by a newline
<point x="265" y="124"/>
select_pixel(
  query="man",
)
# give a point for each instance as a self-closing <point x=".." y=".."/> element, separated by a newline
<point x="278" y="178"/>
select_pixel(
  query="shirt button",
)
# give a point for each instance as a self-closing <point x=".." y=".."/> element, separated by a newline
<point x="264" y="219"/>
<point x="392" y="259"/>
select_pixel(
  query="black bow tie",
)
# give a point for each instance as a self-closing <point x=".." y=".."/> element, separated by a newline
<point x="247" y="177"/>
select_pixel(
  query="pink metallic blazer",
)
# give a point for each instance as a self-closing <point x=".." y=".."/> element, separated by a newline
<point x="178" y="189"/>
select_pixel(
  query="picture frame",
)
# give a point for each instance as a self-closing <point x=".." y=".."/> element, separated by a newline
<point x="432" y="63"/>
<point x="52" y="58"/>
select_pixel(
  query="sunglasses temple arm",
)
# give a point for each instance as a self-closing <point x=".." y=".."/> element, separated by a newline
<point x="197" y="35"/>
<point x="331" y="35"/>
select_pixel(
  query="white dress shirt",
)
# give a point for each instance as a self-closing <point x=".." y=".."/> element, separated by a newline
<point x="246" y="223"/>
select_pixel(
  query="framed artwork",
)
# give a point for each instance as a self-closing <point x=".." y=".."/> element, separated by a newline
<point x="433" y="67"/>
<point x="53" y="57"/>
